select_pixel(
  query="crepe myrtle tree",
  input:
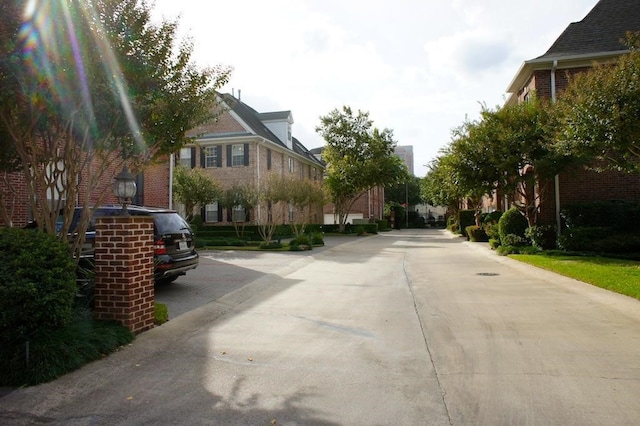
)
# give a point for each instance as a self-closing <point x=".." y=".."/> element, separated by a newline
<point x="86" y="85"/>
<point x="359" y="157"/>
<point x="194" y="188"/>
<point x="598" y="114"/>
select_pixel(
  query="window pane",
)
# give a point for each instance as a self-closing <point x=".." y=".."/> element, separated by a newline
<point x="211" y="156"/>
<point x="211" y="212"/>
<point x="185" y="157"/>
<point x="237" y="154"/>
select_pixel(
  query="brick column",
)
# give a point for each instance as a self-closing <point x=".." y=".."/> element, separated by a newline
<point x="124" y="271"/>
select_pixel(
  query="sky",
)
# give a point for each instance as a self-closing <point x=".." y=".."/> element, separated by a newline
<point x="418" y="67"/>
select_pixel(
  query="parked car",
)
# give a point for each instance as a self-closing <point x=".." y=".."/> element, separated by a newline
<point x="174" y="242"/>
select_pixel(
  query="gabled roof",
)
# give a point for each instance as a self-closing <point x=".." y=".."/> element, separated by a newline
<point x="600" y="31"/>
<point x="302" y="150"/>
<point x="251" y="117"/>
<point x="597" y="37"/>
<point x="254" y="120"/>
<point x="277" y="115"/>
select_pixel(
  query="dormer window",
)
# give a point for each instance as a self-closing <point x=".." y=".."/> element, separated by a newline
<point x="288" y="131"/>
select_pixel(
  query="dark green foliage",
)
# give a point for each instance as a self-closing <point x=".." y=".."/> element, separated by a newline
<point x="506" y="250"/>
<point x="514" y="240"/>
<point x="466" y="218"/>
<point x="317" y="238"/>
<point x="491" y="217"/>
<point x="37" y="284"/>
<point x="476" y="234"/>
<point x="60" y="351"/>
<point x="512" y="222"/>
<point x="383" y="224"/>
<point x="542" y="237"/>
<point x="619" y="215"/>
<point x="273" y="245"/>
<point x="301" y="242"/>
<point x="617" y="244"/>
<point x="494" y="243"/>
<point x="582" y="239"/>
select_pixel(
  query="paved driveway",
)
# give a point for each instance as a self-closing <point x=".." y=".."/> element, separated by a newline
<point x="403" y="328"/>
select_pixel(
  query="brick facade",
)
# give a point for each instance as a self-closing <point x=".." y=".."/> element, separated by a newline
<point x="124" y="286"/>
<point x="577" y="185"/>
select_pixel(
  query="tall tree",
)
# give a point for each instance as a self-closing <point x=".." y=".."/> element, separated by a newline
<point x="440" y="185"/>
<point x="89" y="84"/>
<point x="358" y="156"/>
<point x="407" y="192"/>
<point x="598" y="114"/>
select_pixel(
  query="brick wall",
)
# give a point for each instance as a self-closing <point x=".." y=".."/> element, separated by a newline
<point x="124" y="286"/>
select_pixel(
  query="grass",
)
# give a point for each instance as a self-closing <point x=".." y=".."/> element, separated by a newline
<point x="53" y="354"/>
<point x="619" y="275"/>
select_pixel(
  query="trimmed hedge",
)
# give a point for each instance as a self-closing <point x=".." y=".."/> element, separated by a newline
<point x="512" y="222"/>
<point x="37" y="284"/>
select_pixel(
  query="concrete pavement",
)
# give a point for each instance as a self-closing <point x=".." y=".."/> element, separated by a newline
<point x="403" y="328"/>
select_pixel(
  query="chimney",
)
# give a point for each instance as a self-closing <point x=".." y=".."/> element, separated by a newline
<point x="233" y="92"/>
<point x="239" y="95"/>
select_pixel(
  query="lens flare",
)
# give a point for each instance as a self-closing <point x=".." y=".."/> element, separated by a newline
<point x="57" y="38"/>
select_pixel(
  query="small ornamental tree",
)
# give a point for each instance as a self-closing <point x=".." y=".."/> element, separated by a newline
<point x="240" y="198"/>
<point x="194" y="188"/>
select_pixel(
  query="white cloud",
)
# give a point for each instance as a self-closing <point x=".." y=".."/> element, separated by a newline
<point x="419" y="67"/>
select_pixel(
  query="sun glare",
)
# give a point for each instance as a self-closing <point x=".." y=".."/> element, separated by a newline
<point x="55" y="51"/>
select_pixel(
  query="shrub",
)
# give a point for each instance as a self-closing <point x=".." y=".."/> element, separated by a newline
<point x="160" y="313"/>
<point x="618" y="243"/>
<point x="466" y="218"/>
<point x="491" y="217"/>
<point x="620" y="215"/>
<point x="383" y="224"/>
<point x="582" y="238"/>
<point x="476" y="234"/>
<point x="37" y="284"/>
<point x="494" y="243"/>
<point x="301" y="242"/>
<point x="512" y="222"/>
<point x="542" y="237"/>
<point x="514" y="240"/>
<point x="271" y="246"/>
<point x="317" y="239"/>
<point x="491" y="229"/>
<point x="360" y="230"/>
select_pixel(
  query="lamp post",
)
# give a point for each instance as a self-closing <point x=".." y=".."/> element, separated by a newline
<point x="124" y="187"/>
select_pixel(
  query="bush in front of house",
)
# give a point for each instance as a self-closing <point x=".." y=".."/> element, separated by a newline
<point x="542" y="237"/>
<point x="37" y="284"/>
<point x="466" y="218"/>
<point x="476" y="234"/>
<point x="301" y="242"/>
<point x="582" y="238"/>
<point x="512" y="222"/>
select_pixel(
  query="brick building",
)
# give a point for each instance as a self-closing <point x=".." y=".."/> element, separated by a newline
<point x="152" y="189"/>
<point x="244" y="147"/>
<point x="596" y="39"/>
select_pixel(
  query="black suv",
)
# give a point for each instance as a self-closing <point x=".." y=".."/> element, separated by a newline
<point x="174" y="243"/>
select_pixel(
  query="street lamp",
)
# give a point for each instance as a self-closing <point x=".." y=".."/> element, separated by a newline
<point x="124" y="188"/>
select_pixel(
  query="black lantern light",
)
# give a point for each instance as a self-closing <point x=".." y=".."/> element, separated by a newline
<point x="124" y="187"/>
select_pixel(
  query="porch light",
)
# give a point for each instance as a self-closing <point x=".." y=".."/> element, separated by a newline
<point x="124" y="188"/>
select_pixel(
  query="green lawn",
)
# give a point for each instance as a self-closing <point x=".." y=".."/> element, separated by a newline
<point x="621" y="276"/>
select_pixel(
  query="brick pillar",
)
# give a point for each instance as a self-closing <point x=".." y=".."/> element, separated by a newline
<point x="124" y="271"/>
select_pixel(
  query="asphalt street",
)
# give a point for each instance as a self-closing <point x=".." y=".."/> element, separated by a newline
<point x="414" y="327"/>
